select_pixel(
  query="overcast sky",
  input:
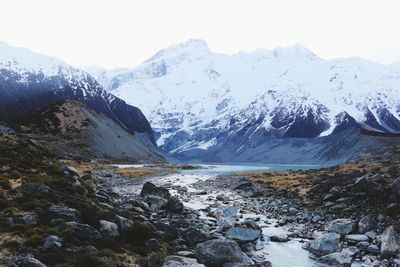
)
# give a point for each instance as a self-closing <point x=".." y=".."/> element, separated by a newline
<point x="119" y="33"/>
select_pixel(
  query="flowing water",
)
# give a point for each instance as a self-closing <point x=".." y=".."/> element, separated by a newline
<point x="286" y="254"/>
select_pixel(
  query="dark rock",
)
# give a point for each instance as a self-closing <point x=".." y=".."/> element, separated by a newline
<point x="365" y="224"/>
<point x="193" y="236"/>
<point x="248" y="189"/>
<point x="32" y="219"/>
<point x="174" y="205"/>
<point x="108" y="230"/>
<point x="179" y="261"/>
<point x="150" y="189"/>
<point x="215" y="253"/>
<point x="395" y="187"/>
<point x="84" y="231"/>
<point x="354" y="239"/>
<point x="153" y="244"/>
<point x="52" y="242"/>
<point x="29" y="261"/>
<point x="123" y="223"/>
<point x="279" y="238"/>
<point x="341" y="226"/>
<point x="229" y="211"/>
<point x="325" y="244"/>
<point x="389" y="242"/>
<point x="335" y="259"/>
<point x="63" y="212"/>
<point x="243" y="235"/>
<point x="33" y="189"/>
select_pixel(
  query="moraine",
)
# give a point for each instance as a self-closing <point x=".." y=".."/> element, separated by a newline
<point x="211" y="193"/>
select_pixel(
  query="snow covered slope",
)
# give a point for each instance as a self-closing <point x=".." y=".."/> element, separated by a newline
<point x="195" y="98"/>
<point x="29" y="81"/>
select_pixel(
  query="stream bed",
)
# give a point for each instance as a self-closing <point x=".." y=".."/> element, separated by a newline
<point x="203" y="192"/>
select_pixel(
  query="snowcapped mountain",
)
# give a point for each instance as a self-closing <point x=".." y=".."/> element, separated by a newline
<point x="196" y="100"/>
<point x="29" y="81"/>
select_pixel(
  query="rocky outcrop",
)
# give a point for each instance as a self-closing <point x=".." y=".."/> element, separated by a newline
<point x="216" y="253"/>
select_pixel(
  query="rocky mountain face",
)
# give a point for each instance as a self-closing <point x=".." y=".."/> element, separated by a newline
<point x="210" y="106"/>
<point x="30" y="81"/>
<point x="71" y="130"/>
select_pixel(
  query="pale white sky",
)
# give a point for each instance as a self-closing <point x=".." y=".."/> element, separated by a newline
<point x="123" y="33"/>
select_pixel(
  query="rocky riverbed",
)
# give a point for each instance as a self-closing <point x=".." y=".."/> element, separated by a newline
<point x="228" y="220"/>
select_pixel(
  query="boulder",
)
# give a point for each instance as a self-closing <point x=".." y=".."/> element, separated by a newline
<point x="354" y="239"/>
<point x="109" y="230"/>
<point x="243" y="235"/>
<point x="335" y="259"/>
<point x="159" y="197"/>
<point x="215" y="253"/>
<point x="150" y="189"/>
<point x="30" y="218"/>
<point x="63" y="212"/>
<point x="179" y="261"/>
<point x="279" y="238"/>
<point x="341" y="226"/>
<point x="29" y="261"/>
<point x="174" y="205"/>
<point x="365" y="224"/>
<point x="325" y="244"/>
<point x="123" y="223"/>
<point x="84" y="231"/>
<point x="248" y="189"/>
<point x="52" y="242"/>
<point x="34" y="189"/>
<point x="193" y="236"/>
<point x="229" y="211"/>
<point x="389" y="242"/>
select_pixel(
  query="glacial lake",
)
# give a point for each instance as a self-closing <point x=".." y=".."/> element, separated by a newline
<point x="233" y="168"/>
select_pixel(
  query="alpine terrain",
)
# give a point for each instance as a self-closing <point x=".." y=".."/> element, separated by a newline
<point x="256" y="106"/>
<point x="31" y="81"/>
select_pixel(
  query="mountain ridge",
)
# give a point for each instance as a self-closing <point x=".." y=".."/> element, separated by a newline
<point x="192" y="95"/>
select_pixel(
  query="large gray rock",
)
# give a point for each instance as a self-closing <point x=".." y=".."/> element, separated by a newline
<point x="279" y="237"/>
<point x="150" y="189"/>
<point x="243" y="235"/>
<point x="341" y="226"/>
<point x="33" y="189"/>
<point x="215" y="253"/>
<point x="389" y="242"/>
<point x="124" y="223"/>
<point x="29" y="261"/>
<point x="83" y="231"/>
<point x="229" y="211"/>
<point x="109" y="230"/>
<point x="335" y="259"/>
<point x="159" y="197"/>
<point x="64" y="212"/>
<point x="325" y="244"/>
<point x="178" y="261"/>
<point x="365" y="224"/>
<point x="52" y="242"/>
<point x="354" y="239"/>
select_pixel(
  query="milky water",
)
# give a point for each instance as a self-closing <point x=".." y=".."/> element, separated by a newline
<point x="232" y="168"/>
<point x="287" y="254"/>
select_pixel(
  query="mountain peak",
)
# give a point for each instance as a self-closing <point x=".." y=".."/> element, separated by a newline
<point x="296" y="50"/>
<point x="191" y="46"/>
<point x="22" y="59"/>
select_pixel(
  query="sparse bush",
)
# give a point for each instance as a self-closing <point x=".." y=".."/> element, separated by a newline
<point x="139" y="233"/>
